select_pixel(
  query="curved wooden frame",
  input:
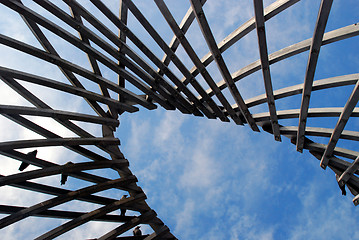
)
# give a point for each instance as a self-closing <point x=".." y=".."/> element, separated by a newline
<point x="149" y="87"/>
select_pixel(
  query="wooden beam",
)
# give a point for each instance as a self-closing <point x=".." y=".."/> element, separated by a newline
<point x="145" y="217"/>
<point x="327" y="83"/>
<point x="269" y="12"/>
<point x="184" y="26"/>
<point x="191" y="53"/>
<point x="348" y="173"/>
<point x="42" y="81"/>
<point x="150" y="76"/>
<point x="317" y="39"/>
<point x="339" y="127"/>
<point x="64" y="214"/>
<point x="211" y="42"/>
<point x="312" y="112"/>
<point x="31" y="111"/>
<point x="74" y="167"/>
<point x="123" y="13"/>
<point x="181" y="67"/>
<point x="329" y="37"/>
<point x="53" y="202"/>
<point x="74" y="68"/>
<point x="263" y="52"/>
<point x="90" y="216"/>
<point x="112" y="17"/>
<point x="56" y="141"/>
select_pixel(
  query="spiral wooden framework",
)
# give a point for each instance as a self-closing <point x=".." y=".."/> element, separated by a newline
<point x="139" y="83"/>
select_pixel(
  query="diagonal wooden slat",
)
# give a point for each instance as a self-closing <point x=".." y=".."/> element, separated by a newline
<point x="329" y="37"/>
<point x="123" y="12"/>
<point x="45" y="205"/>
<point x="74" y="167"/>
<point x="317" y="39"/>
<point x="64" y="214"/>
<point x="348" y="173"/>
<point x="207" y="33"/>
<point x="184" y="26"/>
<point x="191" y="53"/>
<point x="6" y="109"/>
<point x="263" y="52"/>
<point x="78" y="43"/>
<point x="42" y="81"/>
<point x="153" y="79"/>
<point x="93" y="63"/>
<point x="339" y="127"/>
<point x="53" y="142"/>
<point x="89" y="216"/>
<point x="161" y="43"/>
<point x="74" y="68"/>
<point x="269" y="12"/>
<point x="127" y="226"/>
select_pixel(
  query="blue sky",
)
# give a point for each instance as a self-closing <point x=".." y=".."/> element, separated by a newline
<point x="207" y="179"/>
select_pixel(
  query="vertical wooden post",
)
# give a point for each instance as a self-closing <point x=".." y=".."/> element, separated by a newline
<point x="123" y="17"/>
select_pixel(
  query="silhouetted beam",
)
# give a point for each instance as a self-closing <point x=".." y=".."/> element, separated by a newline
<point x="70" y="66"/>
<point x="312" y="112"/>
<point x="159" y="234"/>
<point x="195" y="59"/>
<point x="348" y="173"/>
<point x="31" y="111"/>
<point x="342" y="152"/>
<point x="90" y="216"/>
<point x="339" y="166"/>
<point x="36" y="128"/>
<point x="65" y="88"/>
<point x="329" y="37"/>
<point x="67" y="168"/>
<point x="128" y="225"/>
<point x="65" y="214"/>
<point x="45" y="205"/>
<point x="339" y="127"/>
<point x="129" y="52"/>
<point x="94" y="65"/>
<point x="155" y="80"/>
<point x="97" y="54"/>
<point x="182" y="68"/>
<point x="46" y="133"/>
<point x="68" y="74"/>
<point x="41" y="188"/>
<point x="56" y="142"/>
<point x="319" y="132"/>
<point x="263" y="52"/>
<point x="327" y="83"/>
<point x="184" y="26"/>
<point x="211" y="42"/>
<point x="123" y="15"/>
<point x="317" y="39"/>
<point x="269" y="12"/>
<point x="132" y="237"/>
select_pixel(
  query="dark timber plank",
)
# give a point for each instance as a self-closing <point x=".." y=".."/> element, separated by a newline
<point x="339" y="127"/>
<point x="191" y="53"/>
<point x="64" y="214"/>
<point x="89" y="216"/>
<point x="45" y="205"/>
<point x="317" y="39"/>
<point x="263" y="52"/>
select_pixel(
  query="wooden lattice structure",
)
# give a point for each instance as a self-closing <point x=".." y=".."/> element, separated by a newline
<point x="146" y="81"/>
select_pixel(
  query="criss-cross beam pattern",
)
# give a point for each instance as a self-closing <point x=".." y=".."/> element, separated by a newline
<point x="71" y="107"/>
